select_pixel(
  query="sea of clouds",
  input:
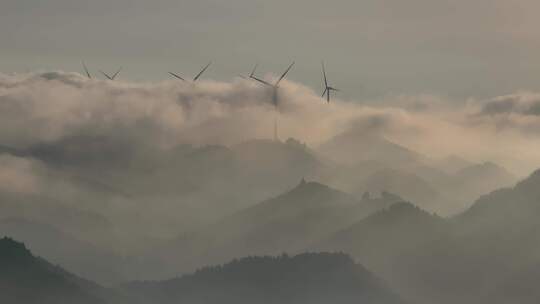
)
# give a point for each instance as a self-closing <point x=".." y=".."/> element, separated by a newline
<point x="49" y="107"/>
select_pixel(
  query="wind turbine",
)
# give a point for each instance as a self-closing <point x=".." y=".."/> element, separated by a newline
<point x="251" y="74"/>
<point x="109" y="76"/>
<point x="196" y="77"/>
<point x="327" y="88"/>
<point x="86" y="71"/>
<point x="274" y="86"/>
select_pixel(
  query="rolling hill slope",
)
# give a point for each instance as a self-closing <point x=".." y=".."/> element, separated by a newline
<point x="314" y="278"/>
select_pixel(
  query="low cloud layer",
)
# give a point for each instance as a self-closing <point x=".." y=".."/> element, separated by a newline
<point x="51" y="107"/>
<point x="518" y="112"/>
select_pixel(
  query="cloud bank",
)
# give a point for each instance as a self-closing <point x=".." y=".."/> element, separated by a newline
<point x="44" y="108"/>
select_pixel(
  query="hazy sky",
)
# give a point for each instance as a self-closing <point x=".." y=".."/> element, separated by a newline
<point x="479" y="48"/>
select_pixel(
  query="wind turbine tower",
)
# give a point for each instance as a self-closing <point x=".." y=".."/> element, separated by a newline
<point x="275" y="87"/>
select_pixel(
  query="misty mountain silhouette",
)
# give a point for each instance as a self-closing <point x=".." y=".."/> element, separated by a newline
<point x="83" y="224"/>
<point x="238" y="175"/>
<point x="198" y="179"/>
<point x="26" y="279"/>
<point x="83" y="258"/>
<point x="356" y="145"/>
<point x="483" y="178"/>
<point x="370" y="162"/>
<point x="284" y="163"/>
<point x="481" y="171"/>
<point x="306" y="278"/>
<point x="508" y="209"/>
<point x="488" y="254"/>
<point x="289" y="153"/>
<point x="408" y="185"/>
<point x="379" y="239"/>
<point x="286" y="223"/>
<point x="433" y="189"/>
<point x="303" y="279"/>
<point x="76" y="151"/>
<point x="451" y="164"/>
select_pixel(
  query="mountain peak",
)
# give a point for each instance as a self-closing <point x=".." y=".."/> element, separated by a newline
<point x="484" y="169"/>
<point x="532" y="182"/>
<point x="404" y="207"/>
<point x="11" y="249"/>
<point x="304" y="278"/>
<point x="526" y="191"/>
<point x="407" y="208"/>
<point x="354" y="146"/>
<point x="31" y="280"/>
<point x="313" y="189"/>
<point x="402" y="212"/>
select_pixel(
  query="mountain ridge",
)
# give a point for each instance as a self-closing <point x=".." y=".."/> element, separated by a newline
<point x="304" y="278"/>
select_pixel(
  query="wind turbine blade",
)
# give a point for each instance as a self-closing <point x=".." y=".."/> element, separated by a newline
<point x="116" y="74"/>
<point x="86" y="70"/>
<point x="201" y="72"/>
<point x="324" y="74"/>
<point x="328" y="96"/>
<point x="326" y="89"/>
<point x="105" y="74"/>
<point x="176" y="76"/>
<point x="261" y="81"/>
<point x="254" y="69"/>
<point x="284" y="74"/>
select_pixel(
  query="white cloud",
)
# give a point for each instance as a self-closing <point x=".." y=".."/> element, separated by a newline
<point x="52" y="107"/>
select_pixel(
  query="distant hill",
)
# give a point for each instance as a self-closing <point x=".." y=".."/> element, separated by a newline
<point x="275" y="164"/>
<point x="286" y="223"/>
<point x="26" y="279"/>
<point x="356" y="145"/>
<point x="508" y="210"/>
<point x="76" y="219"/>
<point x="371" y="162"/>
<point x="408" y="185"/>
<point x="488" y="254"/>
<point x="451" y="164"/>
<point x="483" y="178"/>
<point x="428" y="187"/>
<point x="285" y="154"/>
<point x="492" y="255"/>
<point x="485" y="170"/>
<point x="191" y="180"/>
<point x="378" y="240"/>
<point x="313" y="278"/>
<point x="83" y="150"/>
<point x="83" y="258"/>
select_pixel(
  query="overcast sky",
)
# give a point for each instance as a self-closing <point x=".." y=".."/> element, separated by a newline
<point x="473" y="48"/>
